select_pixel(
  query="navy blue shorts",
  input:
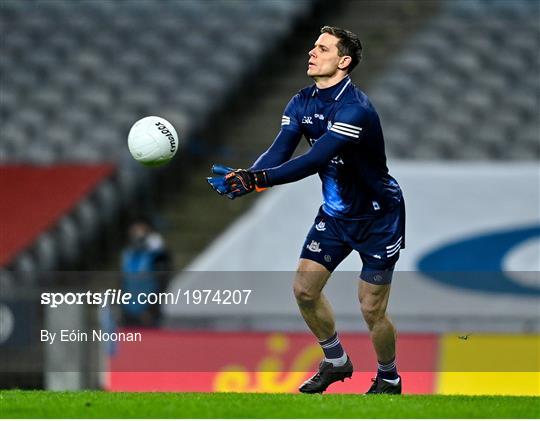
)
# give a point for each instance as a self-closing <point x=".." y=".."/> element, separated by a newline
<point x="377" y="240"/>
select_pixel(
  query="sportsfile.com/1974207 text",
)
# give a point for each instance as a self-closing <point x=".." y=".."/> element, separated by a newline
<point x="117" y="296"/>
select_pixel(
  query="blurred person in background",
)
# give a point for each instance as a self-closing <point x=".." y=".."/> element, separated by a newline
<point x="363" y="206"/>
<point x="146" y="266"/>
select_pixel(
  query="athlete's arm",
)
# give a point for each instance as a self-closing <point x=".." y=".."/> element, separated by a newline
<point x="234" y="183"/>
<point x="241" y="182"/>
<point x="280" y="151"/>
<point x="347" y="128"/>
<point x="286" y="141"/>
<point x="322" y="151"/>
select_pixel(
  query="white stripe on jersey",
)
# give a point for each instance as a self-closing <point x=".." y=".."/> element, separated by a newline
<point x="345" y="129"/>
<point x="341" y="132"/>
<point x="285" y="121"/>
<point x="342" y="89"/>
<point x="345" y="125"/>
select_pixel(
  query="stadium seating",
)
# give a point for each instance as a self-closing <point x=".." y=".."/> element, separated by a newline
<point x="76" y="75"/>
<point x="87" y="70"/>
<point x="466" y="86"/>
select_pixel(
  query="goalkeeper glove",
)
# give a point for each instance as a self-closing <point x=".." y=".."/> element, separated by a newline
<point x="218" y="183"/>
<point x="235" y="183"/>
<point x="241" y="182"/>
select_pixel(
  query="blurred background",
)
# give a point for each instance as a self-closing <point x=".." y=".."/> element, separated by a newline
<point x="457" y="86"/>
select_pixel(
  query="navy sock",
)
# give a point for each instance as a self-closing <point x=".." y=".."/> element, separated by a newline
<point x="333" y="351"/>
<point x="387" y="370"/>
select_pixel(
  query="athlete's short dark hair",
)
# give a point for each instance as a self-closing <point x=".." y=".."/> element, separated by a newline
<point x="348" y="45"/>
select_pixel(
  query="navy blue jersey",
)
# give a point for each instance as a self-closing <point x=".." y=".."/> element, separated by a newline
<point x="347" y="150"/>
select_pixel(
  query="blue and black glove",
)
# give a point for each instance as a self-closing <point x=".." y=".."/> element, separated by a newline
<point x="236" y="183"/>
<point x="218" y="183"/>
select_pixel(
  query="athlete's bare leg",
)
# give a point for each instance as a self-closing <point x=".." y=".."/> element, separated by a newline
<point x="373" y="302"/>
<point x="310" y="279"/>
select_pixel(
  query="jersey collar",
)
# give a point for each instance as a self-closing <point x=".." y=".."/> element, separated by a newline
<point x="335" y="92"/>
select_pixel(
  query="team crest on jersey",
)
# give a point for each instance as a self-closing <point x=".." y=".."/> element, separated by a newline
<point x="319" y="116"/>
<point x="337" y="160"/>
<point x="321" y="226"/>
<point x="314" y="247"/>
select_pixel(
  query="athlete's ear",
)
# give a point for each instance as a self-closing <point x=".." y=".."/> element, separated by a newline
<point x="344" y="62"/>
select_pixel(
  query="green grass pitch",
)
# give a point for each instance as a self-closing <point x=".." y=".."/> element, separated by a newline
<point x="90" y="404"/>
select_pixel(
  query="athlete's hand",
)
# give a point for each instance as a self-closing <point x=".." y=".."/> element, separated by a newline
<point x="220" y="169"/>
<point x="218" y="183"/>
<point x="236" y="183"/>
<point x="241" y="182"/>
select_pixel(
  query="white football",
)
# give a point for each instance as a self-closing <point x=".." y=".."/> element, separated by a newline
<point x="152" y="141"/>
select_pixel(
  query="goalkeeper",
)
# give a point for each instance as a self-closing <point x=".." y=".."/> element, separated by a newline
<point x="363" y="207"/>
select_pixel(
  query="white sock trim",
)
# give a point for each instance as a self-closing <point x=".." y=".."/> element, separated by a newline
<point x="387" y="367"/>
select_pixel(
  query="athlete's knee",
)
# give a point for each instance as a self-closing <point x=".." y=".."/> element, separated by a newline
<point x="305" y="295"/>
<point x="309" y="282"/>
<point x="373" y="311"/>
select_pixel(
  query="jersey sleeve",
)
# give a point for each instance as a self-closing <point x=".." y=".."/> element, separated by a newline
<point x="286" y="140"/>
<point x="280" y="151"/>
<point x="289" y="119"/>
<point x="348" y="124"/>
<point x="322" y="151"/>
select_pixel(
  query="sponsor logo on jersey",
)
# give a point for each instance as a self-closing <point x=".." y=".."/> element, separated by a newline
<point x="321" y="226"/>
<point x="307" y="120"/>
<point x="314" y="247"/>
<point x="377" y="256"/>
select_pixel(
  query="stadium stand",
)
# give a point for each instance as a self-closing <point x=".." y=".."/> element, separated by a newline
<point x="76" y="75"/>
<point x="472" y="74"/>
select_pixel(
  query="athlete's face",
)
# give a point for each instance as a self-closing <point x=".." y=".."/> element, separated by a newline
<point x="324" y="60"/>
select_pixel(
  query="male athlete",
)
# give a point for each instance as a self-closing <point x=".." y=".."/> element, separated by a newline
<point x="363" y="208"/>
